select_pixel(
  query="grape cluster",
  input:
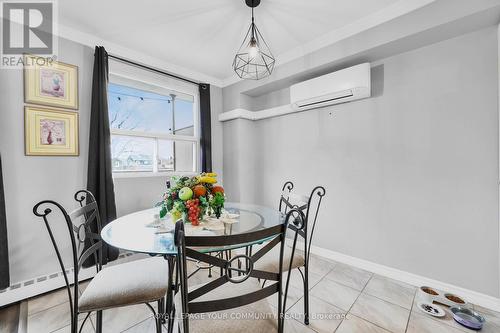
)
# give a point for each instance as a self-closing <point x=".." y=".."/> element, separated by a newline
<point x="194" y="209"/>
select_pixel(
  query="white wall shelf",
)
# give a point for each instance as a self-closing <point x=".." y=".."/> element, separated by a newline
<point x="257" y="115"/>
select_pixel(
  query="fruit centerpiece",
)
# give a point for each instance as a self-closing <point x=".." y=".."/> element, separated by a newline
<point x="191" y="198"/>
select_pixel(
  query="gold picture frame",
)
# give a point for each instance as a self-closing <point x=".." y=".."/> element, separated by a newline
<point x="50" y="83"/>
<point x="50" y="132"/>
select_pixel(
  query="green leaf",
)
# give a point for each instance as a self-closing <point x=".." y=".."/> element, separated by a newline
<point x="163" y="211"/>
<point x="169" y="204"/>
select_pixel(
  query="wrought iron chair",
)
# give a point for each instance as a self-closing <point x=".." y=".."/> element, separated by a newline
<point x="309" y="206"/>
<point x="140" y="281"/>
<point x="236" y="288"/>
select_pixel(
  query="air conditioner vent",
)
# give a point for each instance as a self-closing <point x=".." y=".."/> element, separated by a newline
<point x="326" y="101"/>
<point x="346" y="85"/>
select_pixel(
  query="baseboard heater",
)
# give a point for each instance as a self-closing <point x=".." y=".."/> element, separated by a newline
<point x="42" y="284"/>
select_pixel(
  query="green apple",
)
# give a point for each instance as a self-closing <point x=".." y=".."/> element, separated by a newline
<point x="185" y="193"/>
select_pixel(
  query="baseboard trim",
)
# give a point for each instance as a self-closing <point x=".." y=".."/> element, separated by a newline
<point x="471" y="296"/>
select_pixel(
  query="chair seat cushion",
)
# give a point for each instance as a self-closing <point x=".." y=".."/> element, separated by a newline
<point x="134" y="282"/>
<point x="270" y="261"/>
<point x="254" y="317"/>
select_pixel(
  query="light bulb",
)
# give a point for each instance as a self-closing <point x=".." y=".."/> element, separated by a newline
<point x="253" y="51"/>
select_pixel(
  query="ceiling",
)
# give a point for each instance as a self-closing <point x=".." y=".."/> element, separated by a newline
<point x="203" y="36"/>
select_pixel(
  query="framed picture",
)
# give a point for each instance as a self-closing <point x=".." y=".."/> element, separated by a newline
<point x="51" y="84"/>
<point x="50" y="132"/>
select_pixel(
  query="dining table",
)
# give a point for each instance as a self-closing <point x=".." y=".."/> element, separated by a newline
<point x="144" y="232"/>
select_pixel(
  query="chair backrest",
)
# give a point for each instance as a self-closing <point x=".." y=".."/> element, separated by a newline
<point x="286" y="191"/>
<point x="188" y="247"/>
<point x="308" y="205"/>
<point x="78" y="224"/>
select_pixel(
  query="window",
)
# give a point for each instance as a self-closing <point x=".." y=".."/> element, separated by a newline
<point x="153" y="129"/>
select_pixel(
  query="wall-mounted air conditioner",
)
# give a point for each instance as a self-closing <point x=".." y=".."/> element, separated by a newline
<point x="346" y="85"/>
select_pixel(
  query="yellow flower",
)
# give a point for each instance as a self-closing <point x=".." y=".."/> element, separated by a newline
<point x="176" y="215"/>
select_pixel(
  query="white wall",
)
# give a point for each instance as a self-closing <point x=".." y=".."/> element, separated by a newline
<point x="411" y="173"/>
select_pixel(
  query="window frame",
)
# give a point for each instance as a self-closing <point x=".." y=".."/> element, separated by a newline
<point x="138" y="82"/>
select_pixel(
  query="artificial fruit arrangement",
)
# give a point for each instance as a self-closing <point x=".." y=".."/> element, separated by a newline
<point x="191" y="198"/>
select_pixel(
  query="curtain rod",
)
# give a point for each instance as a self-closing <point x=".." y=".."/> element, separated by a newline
<point x="156" y="70"/>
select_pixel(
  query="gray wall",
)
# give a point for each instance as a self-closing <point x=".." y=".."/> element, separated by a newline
<point x="217" y="132"/>
<point x="411" y="173"/>
<point x="133" y="194"/>
<point x="29" y="179"/>
<point x="240" y="172"/>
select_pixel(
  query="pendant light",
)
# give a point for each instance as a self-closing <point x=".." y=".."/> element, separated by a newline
<point x="254" y="59"/>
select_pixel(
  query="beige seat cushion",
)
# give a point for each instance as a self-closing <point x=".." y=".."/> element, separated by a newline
<point x="270" y="261"/>
<point x="255" y="317"/>
<point x="130" y="283"/>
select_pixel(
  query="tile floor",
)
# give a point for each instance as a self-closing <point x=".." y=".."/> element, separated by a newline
<point x="343" y="299"/>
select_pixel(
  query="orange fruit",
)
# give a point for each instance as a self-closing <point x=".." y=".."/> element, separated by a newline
<point x="199" y="190"/>
<point x="217" y="189"/>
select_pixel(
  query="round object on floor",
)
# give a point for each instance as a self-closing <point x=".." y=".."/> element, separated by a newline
<point x="467" y="317"/>
<point x="431" y="309"/>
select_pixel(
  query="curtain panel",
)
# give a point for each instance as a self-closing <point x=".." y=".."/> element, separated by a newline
<point x="4" y="249"/>
<point x="206" y="128"/>
<point x="99" y="174"/>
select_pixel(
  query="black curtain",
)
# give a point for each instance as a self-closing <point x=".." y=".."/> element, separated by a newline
<point x="206" y="128"/>
<point x="99" y="175"/>
<point x="4" y="249"/>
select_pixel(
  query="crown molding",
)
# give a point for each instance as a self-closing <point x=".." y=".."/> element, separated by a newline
<point x="113" y="48"/>
<point x="389" y="13"/>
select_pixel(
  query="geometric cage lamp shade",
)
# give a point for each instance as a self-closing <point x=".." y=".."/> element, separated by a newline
<point x="254" y="59"/>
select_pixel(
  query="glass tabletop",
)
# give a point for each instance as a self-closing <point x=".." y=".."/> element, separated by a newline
<point x="138" y="232"/>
